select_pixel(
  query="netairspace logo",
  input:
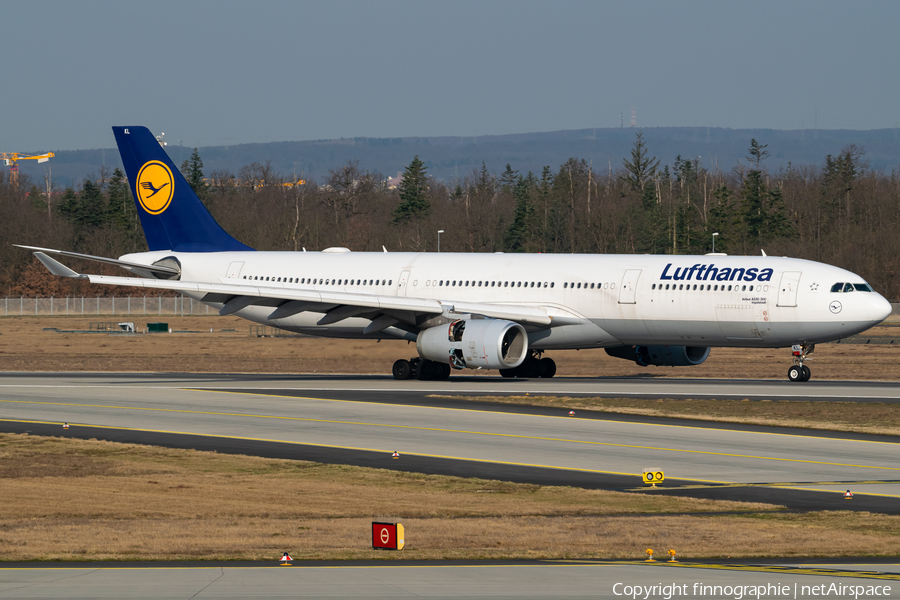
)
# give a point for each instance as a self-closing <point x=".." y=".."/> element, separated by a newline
<point x="740" y="592"/>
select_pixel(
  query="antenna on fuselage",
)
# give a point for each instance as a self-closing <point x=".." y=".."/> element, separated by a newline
<point x="763" y="252"/>
<point x="383" y="248"/>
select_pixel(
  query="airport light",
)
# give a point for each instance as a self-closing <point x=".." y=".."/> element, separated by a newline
<point x="715" y="235"/>
<point x="440" y="231"/>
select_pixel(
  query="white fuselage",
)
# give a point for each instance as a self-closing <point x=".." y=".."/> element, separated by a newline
<point x="603" y="300"/>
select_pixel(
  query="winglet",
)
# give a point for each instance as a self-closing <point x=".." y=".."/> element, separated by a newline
<point x="56" y="267"/>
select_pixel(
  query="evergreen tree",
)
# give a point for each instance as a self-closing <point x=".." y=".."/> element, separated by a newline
<point x="509" y="179"/>
<point x="763" y="210"/>
<point x="119" y="201"/>
<point x="91" y="211"/>
<point x="640" y="169"/>
<point x="413" y="190"/>
<point x="194" y="174"/>
<point x="520" y="233"/>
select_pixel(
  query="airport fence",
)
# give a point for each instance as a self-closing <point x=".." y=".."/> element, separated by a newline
<point x="126" y="306"/>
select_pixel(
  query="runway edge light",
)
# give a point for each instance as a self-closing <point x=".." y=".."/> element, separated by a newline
<point x="672" y="554"/>
<point x="848" y="495"/>
<point x="286" y="559"/>
<point x="649" y="552"/>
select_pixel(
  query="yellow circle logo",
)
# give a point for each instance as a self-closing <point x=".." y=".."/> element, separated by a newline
<point x="154" y="187"/>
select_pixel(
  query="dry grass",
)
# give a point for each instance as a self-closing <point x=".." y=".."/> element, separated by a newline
<point x="67" y="499"/>
<point x="25" y="347"/>
<point x="862" y="417"/>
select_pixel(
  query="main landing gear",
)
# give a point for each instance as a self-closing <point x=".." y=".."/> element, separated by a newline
<point x="421" y="369"/>
<point x="799" y="371"/>
<point x="532" y="367"/>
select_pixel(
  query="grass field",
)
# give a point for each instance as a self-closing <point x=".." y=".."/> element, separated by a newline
<point x="66" y="499"/>
<point x="25" y="346"/>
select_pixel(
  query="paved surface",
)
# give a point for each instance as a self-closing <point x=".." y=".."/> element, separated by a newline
<point x="237" y="407"/>
<point x="636" y="387"/>
<point x="534" y="580"/>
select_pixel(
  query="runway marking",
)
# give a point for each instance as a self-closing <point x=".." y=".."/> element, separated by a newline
<point x="500" y="412"/>
<point x="460" y="431"/>
<point x="849" y="396"/>
<point x="232" y="390"/>
<point x="781" y="486"/>
<point x="378" y="450"/>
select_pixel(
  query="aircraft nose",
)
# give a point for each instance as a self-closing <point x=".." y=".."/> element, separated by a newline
<point x="878" y="309"/>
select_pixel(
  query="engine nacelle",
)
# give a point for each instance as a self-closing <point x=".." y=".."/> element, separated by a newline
<point x="664" y="356"/>
<point x="475" y="343"/>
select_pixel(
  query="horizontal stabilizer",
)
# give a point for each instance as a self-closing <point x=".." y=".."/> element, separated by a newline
<point x="148" y="270"/>
<point x="56" y="267"/>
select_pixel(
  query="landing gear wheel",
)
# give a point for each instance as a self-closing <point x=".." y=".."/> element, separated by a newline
<point x="401" y="369"/>
<point x="444" y="373"/>
<point x="806" y="373"/>
<point x="549" y="368"/>
<point x="531" y="368"/>
<point x="795" y="373"/>
<point x="428" y="370"/>
<point x="507" y="372"/>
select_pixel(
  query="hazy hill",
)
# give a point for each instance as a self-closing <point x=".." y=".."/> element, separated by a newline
<point x="451" y="157"/>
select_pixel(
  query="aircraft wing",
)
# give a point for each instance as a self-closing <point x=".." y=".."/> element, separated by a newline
<point x="385" y="311"/>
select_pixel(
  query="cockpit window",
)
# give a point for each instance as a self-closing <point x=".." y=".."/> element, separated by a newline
<point x="837" y="287"/>
<point x="848" y="287"/>
<point x="862" y="287"/>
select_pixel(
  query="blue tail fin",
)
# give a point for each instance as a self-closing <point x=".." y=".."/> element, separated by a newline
<point x="171" y="213"/>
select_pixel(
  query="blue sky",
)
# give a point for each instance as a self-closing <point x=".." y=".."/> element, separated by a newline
<point x="228" y="72"/>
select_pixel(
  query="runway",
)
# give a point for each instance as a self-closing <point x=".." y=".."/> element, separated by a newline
<point x="762" y="464"/>
<point x="550" y="579"/>
<point x="606" y="387"/>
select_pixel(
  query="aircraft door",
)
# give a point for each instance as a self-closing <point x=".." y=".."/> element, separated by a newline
<point x="787" y="291"/>
<point x="402" y="285"/>
<point x="234" y="269"/>
<point x="629" y="286"/>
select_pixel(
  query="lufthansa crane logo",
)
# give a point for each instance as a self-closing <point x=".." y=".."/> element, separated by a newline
<point x="154" y="187"/>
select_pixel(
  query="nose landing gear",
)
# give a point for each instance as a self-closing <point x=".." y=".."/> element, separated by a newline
<point x="799" y="371"/>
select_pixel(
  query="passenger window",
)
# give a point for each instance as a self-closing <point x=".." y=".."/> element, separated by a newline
<point x="552" y="283"/>
<point x="743" y="288"/>
<point x="652" y="287"/>
<point x="667" y="286"/>
<point x="390" y="282"/>
<point x="837" y="287"/>
<point x="680" y="286"/>
<point x="848" y="287"/>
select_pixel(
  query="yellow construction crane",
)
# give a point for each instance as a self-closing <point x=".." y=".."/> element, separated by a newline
<point x="11" y="159"/>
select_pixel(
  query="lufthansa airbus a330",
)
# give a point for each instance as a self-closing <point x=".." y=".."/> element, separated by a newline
<point x="484" y="311"/>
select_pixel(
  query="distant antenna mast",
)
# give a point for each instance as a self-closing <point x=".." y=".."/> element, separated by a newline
<point x="161" y="138"/>
<point x="633" y="117"/>
<point x="621" y="120"/>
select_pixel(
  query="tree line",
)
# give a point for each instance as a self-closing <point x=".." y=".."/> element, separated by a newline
<point x="840" y="212"/>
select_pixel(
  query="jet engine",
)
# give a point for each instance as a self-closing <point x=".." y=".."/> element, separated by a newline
<point x="475" y="343"/>
<point x="663" y="356"/>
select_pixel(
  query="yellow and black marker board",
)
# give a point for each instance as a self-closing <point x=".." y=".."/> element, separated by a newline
<point x="653" y="475"/>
